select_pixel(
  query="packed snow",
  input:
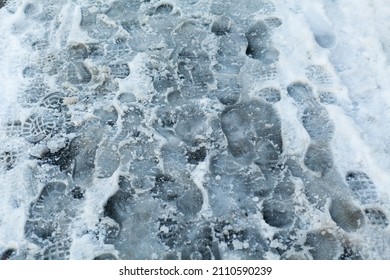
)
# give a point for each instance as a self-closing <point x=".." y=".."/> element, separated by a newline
<point x="194" y="129"/>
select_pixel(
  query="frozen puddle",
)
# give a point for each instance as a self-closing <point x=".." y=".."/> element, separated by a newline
<point x="196" y="129"/>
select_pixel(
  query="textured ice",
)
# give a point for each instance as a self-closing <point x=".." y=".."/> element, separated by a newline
<point x="196" y="129"/>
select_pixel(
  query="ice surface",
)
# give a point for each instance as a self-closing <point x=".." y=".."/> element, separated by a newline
<point x="251" y="129"/>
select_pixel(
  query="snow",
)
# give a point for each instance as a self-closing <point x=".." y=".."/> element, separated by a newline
<point x="195" y="129"/>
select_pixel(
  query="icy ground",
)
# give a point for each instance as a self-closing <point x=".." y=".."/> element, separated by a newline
<point x="194" y="129"/>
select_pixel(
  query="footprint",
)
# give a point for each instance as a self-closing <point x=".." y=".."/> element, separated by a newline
<point x="84" y="153"/>
<point x="131" y="120"/>
<point x="192" y="125"/>
<point x="47" y="13"/>
<point x="119" y="206"/>
<point x="247" y="8"/>
<point x="315" y="120"/>
<point x="271" y="95"/>
<point x="189" y="34"/>
<point x="346" y="215"/>
<point x="201" y="246"/>
<point x="54" y="101"/>
<point x="132" y="27"/>
<point x="302" y="93"/>
<point x="108" y="230"/>
<point x="376" y="217"/>
<point x="278" y="213"/>
<point x="190" y="200"/>
<point x="165" y="80"/>
<point x="51" y="215"/>
<point x="38" y="126"/>
<point x="323" y="245"/>
<point x="273" y="22"/>
<point x="268" y="73"/>
<point x="319" y="75"/>
<point x="107" y="115"/>
<point x="266" y="7"/>
<point x="8" y="159"/>
<point x="322" y="30"/>
<point x="138" y="237"/>
<point x="260" y="45"/>
<point x="31" y="71"/>
<point x="33" y="94"/>
<point x="194" y="71"/>
<point x="63" y="157"/>
<point x="184" y="194"/>
<point x="51" y="64"/>
<point x="324" y="38"/>
<point x="166" y="119"/>
<point x="9" y="253"/>
<point x="251" y="184"/>
<point x="12" y="5"/>
<point x="60" y="250"/>
<point x="144" y="166"/>
<point x="267" y="125"/>
<point x="232" y="44"/>
<point x="164" y="9"/>
<point x="222" y="26"/>
<point x="223" y="164"/>
<point x="40" y="45"/>
<point x="327" y="98"/>
<point x="236" y="125"/>
<point x="163" y="19"/>
<point x="12" y="128"/>
<point x="228" y="89"/>
<point x="119" y="50"/>
<point x="362" y="187"/>
<point x="126" y="98"/>
<point x="120" y="70"/>
<point x="98" y="28"/>
<point x="78" y="52"/>
<point x="319" y="158"/>
<point x="268" y="151"/>
<point x="119" y="9"/>
<point x="77" y="73"/>
<point x="107" y="160"/>
<point x="284" y="189"/>
<point x="253" y="131"/>
<point x="233" y="189"/>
